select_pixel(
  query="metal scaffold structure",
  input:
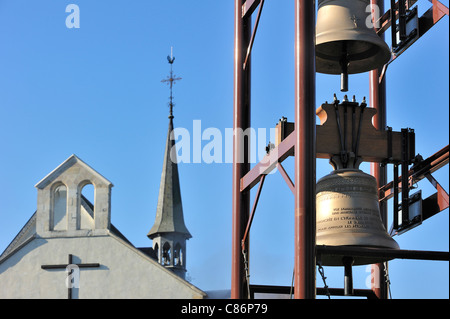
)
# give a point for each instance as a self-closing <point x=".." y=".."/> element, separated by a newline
<point x="349" y="134"/>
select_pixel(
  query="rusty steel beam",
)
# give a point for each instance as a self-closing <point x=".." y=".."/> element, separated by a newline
<point x="384" y="21"/>
<point x="248" y="7"/>
<point x="368" y="293"/>
<point x="418" y="172"/>
<point x="434" y="204"/>
<point x="255" y="29"/>
<point x="383" y="253"/>
<point x="378" y="101"/>
<point x="286" y="291"/>
<point x="432" y="16"/>
<point x="241" y="162"/>
<point x="269" y="162"/>
<point x="442" y="199"/>
<point x="286" y="177"/>
<point x="305" y="151"/>
<point x="435" y="13"/>
<point x="252" y="214"/>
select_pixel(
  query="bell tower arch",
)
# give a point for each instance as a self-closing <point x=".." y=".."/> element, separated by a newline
<point x="63" y="211"/>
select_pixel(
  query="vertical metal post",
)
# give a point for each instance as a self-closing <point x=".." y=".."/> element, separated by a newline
<point x="241" y="163"/>
<point x="395" y="186"/>
<point x="393" y="25"/>
<point x="405" y="176"/>
<point x="305" y="150"/>
<point x="378" y="101"/>
<point x="402" y="19"/>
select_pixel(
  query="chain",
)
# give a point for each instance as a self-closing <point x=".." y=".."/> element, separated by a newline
<point x="247" y="274"/>
<point x="386" y="278"/>
<point x="322" y="274"/>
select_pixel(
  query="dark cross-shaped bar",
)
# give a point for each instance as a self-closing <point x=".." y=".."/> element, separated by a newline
<point x="69" y="272"/>
<point x="171" y="81"/>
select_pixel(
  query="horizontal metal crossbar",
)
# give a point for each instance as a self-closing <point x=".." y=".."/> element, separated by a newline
<point x="359" y="251"/>
<point x="419" y="171"/>
<point x="287" y="291"/>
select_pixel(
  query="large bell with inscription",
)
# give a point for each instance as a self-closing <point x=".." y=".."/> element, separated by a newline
<point x="346" y="41"/>
<point x="348" y="215"/>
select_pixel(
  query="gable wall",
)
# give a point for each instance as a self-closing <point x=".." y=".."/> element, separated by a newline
<point x="124" y="271"/>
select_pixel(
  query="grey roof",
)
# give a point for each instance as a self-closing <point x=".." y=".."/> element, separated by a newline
<point x="169" y="212"/>
<point x="27" y="233"/>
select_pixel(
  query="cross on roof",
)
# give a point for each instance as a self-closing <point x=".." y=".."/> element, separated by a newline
<point x="170" y="80"/>
<point x="70" y="267"/>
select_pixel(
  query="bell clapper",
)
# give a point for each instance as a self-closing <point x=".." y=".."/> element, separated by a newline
<point x="348" y="275"/>
<point x="343" y="62"/>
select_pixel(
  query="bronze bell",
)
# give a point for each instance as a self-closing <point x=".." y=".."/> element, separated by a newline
<point x="346" y="41"/>
<point x="348" y="215"/>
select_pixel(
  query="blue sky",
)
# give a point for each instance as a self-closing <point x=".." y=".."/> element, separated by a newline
<point x="96" y="92"/>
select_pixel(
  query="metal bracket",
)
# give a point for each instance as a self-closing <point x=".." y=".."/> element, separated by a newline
<point x="252" y="214"/>
<point x="249" y="7"/>
<point x="286" y="177"/>
<point x="426" y="22"/>
<point x="420" y="170"/>
<point x="255" y="28"/>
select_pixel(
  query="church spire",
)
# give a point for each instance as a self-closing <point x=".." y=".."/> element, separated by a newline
<point x="169" y="233"/>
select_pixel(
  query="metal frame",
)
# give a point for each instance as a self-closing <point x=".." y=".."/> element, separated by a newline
<point x="241" y="162"/>
<point x="378" y="101"/>
<point x="305" y="151"/>
<point x="285" y="290"/>
<point x="302" y="145"/>
<point x="420" y="170"/>
<point x="426" y="22"/>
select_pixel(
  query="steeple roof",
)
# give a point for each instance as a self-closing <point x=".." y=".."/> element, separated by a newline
<point x="169" y="212"/>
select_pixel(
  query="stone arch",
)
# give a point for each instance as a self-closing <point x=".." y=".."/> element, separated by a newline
<point x="156" y="250"/>
<point x="86" y="191"/>
<point x="74" y="174"/>
<point x="58" y="210"/>
<point x="178" y="255"/>
<point x="166" y="254"/>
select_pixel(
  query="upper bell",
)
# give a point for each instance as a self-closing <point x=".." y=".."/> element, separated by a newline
<point x="346" y="41"/>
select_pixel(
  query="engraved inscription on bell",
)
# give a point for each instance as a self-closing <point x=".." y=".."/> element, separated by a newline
<point x="353" y="213"/>
<point x="348" y="212"/>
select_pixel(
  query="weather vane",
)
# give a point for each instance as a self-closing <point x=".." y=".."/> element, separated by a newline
<point x="171" y="81"/>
